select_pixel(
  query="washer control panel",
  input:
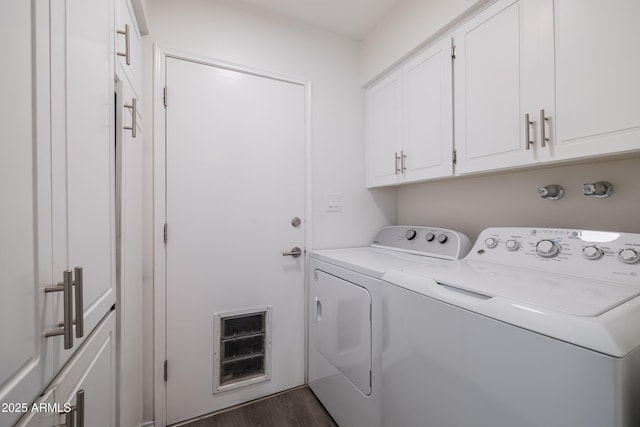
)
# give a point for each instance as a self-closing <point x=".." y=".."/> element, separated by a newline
<point x="596" y="254"/>
<point x="428" y="241"/>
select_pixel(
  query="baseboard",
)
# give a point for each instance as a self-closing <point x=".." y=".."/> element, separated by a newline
<point x="147" y="424"/>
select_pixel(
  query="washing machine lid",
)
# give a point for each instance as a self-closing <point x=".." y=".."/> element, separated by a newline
<point x="370" y="261"/>
<point x="567" y="294"/>
<point x="599" y="315"/>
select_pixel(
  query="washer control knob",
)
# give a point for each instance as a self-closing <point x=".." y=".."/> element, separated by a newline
<point x="410" y="234"/>
<point x="512" y="245"/>
<point x="442" y="238"/>
<point x="547" y="248"/>
<point x="592" y="252"/>
<point x="430" y="236"/>
<point x="629" y="256"/>
<point x="491" y="242"/>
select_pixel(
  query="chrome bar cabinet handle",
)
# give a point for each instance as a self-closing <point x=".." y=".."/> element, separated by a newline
<point x="403" y="158"/>
<point x="134" y="114"/>
<point x="543" y="130"/>
<point x="127" y="44"/>
<point x="80" y="408"/>
<point x="67" y="322"/>
<point x="79" y="301"/>
<point x="527" y="136"/>
<point x="397" y="159"/>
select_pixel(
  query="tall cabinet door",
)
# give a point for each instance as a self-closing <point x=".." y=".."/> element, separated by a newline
<point x="597" y="91"/>
<point x="495" y="79"/>
<point x="83" y="154"/>
<point x="428" y="114"/>
<point x="130" y="369"/>
<point x="384" y="130"/>
<point x="25" y="228"/>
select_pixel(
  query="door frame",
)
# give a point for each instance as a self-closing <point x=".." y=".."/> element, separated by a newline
<point x="161" y="55"/>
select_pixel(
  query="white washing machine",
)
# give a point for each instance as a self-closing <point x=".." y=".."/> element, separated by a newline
<point x="345" y="315"/>
<point x="534" y="328"/>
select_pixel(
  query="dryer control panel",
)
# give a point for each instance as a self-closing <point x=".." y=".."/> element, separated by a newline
<point x="428" y="241"/>
<point x="595" y="254"/>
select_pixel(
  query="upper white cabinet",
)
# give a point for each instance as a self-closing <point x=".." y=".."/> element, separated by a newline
<point x="409" y="120"/>
<point x="543" y="80"/>
<point x="495" y="81"/>
<point x="427" y="114"/>
<point x="83" y="161"/>
<point x="597" y="88"/>
<point x="384" y="131"/>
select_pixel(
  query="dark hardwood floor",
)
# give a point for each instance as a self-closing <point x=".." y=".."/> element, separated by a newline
<point x="294" y="408"/>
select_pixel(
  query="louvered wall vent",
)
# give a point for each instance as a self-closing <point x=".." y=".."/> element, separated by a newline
<point x="242" y="348"/>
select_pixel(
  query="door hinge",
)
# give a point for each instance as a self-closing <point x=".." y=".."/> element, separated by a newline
<point x="166" y="233"/>
<point x="166" y="370"/>
<point x="454" y="157"/>
<point x="164" y="97"/>
<point x="453" y="52"/>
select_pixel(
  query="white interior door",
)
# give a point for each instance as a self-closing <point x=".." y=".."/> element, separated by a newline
<point x="234" y="181"/>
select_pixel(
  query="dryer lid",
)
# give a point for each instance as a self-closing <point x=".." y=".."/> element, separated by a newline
<point x="373" y="262"/>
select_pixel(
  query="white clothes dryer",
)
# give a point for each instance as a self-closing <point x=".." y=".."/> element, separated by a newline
<point x="535" y="327"/>
<point x="345" y="315"/>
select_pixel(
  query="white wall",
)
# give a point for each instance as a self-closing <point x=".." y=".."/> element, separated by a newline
<point x="245" y="36"/>
<point x="410" y="25"/>
<point x="511" y="199"/>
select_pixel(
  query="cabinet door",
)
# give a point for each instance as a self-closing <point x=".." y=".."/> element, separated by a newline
<point x="85" y="389"/>
<point x="427" y="114"/>
<point x="88" y="383"/>
<point x="495" y="79"/>
<point x="597" y="89"/>
<point x="43" y="414"/>
<point x="128" y="63"/>
<point x="129" y="152"/>
<point x="25" y="185"/>
<point x="83" y="152"/>
<point x="384" y="133"/>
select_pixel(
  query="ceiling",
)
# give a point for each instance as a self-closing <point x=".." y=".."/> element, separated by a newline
<point x="350" y="18"/>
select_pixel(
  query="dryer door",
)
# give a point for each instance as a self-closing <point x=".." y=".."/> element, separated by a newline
<point x="341" y="327"/>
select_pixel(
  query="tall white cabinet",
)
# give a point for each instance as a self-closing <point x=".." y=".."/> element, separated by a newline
<point x="61" y="241"/>
<point x="129" y="211"/>
<point x="26" y="312"/>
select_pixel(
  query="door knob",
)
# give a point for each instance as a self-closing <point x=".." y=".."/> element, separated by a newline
<point x="294" y="252"/>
